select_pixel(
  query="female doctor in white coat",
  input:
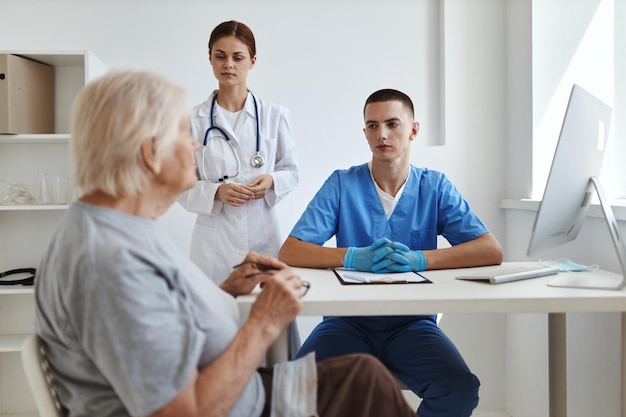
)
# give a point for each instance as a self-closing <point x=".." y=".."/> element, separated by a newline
<point x="246" y="161"/>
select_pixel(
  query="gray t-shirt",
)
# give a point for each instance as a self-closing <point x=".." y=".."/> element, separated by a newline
<point x="126" y="317"/>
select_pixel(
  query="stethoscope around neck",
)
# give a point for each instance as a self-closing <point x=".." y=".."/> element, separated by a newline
<point x="257" y="160"/>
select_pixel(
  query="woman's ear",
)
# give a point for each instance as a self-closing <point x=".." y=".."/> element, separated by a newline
<point x="148" y="153"/>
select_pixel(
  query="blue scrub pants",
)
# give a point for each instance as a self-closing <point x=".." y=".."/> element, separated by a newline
<point x="414" y="349"/>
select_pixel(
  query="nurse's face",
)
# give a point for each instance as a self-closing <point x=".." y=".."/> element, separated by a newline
<point x="231" y="61"/>
<point x="389" y="129"/>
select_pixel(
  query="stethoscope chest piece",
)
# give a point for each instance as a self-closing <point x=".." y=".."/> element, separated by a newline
<point x="257" y="160"/>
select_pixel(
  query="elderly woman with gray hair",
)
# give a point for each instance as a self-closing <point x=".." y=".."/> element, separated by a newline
<point x="130" y="326"/>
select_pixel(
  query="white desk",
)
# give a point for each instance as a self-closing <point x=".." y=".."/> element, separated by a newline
<point x="327" y="297"/>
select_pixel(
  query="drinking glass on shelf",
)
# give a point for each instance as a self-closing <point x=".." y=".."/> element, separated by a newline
<point x="5" y="191"/>
<point x="43" y="189"/>
<point x="14" y="194"/>
<point x="59" y="189"/>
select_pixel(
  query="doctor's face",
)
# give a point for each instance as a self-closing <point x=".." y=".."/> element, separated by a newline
<point x="389" y="129"/>
<point x="231" y="61"/>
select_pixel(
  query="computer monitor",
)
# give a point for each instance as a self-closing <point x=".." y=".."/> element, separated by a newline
<point x="571" y="185"/>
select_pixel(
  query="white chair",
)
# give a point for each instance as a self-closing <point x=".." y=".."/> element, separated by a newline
<point x="39" y="378"/>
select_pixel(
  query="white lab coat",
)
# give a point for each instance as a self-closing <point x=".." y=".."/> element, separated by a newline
<point x="224" y="234"/>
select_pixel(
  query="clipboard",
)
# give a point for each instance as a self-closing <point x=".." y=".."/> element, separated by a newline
<point x="354" y="277"/>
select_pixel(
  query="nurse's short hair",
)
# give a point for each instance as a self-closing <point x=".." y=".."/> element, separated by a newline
<point x="389" y="94"/>
<point x="111" y="117"/>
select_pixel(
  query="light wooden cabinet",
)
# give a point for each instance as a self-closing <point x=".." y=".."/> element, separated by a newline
<point x="25" y="229"/>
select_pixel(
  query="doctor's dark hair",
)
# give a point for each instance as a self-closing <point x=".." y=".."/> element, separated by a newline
<point x="236" y="29"/>
<point x="389" y="94"/>
<point x="112" y="117"/>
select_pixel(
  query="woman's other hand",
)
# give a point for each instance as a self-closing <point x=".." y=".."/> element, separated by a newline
<point x="234" y="195"/>
<point x="261" y="185"/>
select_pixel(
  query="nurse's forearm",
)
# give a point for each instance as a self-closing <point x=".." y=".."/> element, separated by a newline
<point x="296" y="252"/>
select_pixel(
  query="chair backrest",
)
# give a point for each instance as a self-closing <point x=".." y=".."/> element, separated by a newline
<point x="39" y="378"/>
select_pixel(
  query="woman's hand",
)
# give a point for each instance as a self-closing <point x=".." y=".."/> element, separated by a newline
<point x="279" y="302"/>
<point x="234" y="195"/>
<point x="253" y="270"/>
<point x="261" y="185"/>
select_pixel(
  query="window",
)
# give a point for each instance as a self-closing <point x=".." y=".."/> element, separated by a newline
<point x="578" y="42"/>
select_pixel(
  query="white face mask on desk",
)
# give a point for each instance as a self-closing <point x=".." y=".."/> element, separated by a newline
<point x="565" y="265"/>
<point x="294" y="388"/>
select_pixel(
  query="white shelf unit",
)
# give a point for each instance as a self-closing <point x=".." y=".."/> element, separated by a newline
<point x="25" y="230"/>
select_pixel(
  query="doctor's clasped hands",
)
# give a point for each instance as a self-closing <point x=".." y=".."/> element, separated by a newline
<point x="385" y="256"/>
<point x="237" y="195"/>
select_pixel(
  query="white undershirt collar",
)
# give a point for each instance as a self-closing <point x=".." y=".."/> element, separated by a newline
<point x="388" y="201"/>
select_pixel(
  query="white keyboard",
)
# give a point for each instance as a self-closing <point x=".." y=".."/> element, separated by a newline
<point x="506" y="273"/>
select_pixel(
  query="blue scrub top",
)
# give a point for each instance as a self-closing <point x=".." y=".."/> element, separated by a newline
<point x="348" y="207"/>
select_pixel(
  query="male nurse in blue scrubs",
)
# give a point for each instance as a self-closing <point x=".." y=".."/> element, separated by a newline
<point x="386" y="215"/>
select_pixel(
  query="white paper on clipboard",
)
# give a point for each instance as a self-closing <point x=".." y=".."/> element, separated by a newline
<point x="351" y="276"/>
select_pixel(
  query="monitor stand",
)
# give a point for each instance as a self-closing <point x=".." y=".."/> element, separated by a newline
<point x="606" y="280"/>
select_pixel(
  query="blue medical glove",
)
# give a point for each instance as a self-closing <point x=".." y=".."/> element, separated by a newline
<point x="391" y="258"/>
<point x="392" y="263"/>
<point x="363" y="259"/>
<point x="417" y="260"/>
<point x="383" y="242"/>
